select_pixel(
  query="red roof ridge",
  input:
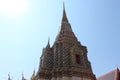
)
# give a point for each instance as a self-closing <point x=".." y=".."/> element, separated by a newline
<point x="112" y="71"/>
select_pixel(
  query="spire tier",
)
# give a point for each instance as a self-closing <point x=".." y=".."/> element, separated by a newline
<point x="64" y="18"/>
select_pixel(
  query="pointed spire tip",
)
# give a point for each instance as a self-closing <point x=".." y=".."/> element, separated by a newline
<point x="64" y="18"/>
<point x="63" y="5"/>
<point x="48" y="44"/>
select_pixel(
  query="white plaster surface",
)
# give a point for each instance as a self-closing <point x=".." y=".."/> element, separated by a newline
<point x="66" y="78"/>
<point x="59" y="78"/>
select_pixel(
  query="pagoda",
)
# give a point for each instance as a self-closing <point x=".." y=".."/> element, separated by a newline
<point x="66" y="59"/>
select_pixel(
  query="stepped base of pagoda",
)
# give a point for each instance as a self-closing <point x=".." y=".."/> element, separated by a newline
<point x="68" y="78"/>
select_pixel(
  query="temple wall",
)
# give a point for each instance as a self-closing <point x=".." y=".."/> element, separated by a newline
<point x="79" y="78"/>
<point x="69" y="78"/>
<point x="86" y="79"/>
<point x="63" y="78"/>
<point x="66" y="78"/>
<point x="53" y="78"/>
<point x="76" y="78"/>
<point x="59" y="78"/>
<point x="44" y="79"/>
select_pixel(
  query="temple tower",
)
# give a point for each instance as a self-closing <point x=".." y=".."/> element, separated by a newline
<point x="66" y="59"/>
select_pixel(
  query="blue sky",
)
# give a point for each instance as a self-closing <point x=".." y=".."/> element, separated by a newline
<point x="24" y="33"/>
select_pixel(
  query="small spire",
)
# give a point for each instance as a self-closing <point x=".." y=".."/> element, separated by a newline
<point x="117" y="74"/>
<point x="34" y="72"/>
<point x="23" y="77"/>
<point x="48" y="45"/>
<point x="64" y="18"/>
<point x="9" y="76"/>
<point x="33" y="75"/>
<point x="117" y="68"/>
<point x="49" y="40"/>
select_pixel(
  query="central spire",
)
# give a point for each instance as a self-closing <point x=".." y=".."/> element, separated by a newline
<point x="65" y="25"/>
<point x="64" y="18"/>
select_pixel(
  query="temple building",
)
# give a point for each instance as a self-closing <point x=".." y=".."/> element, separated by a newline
<point x="23" y="78"/>
<point x="111" y="75"/>
<point x="66" y="59"/>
